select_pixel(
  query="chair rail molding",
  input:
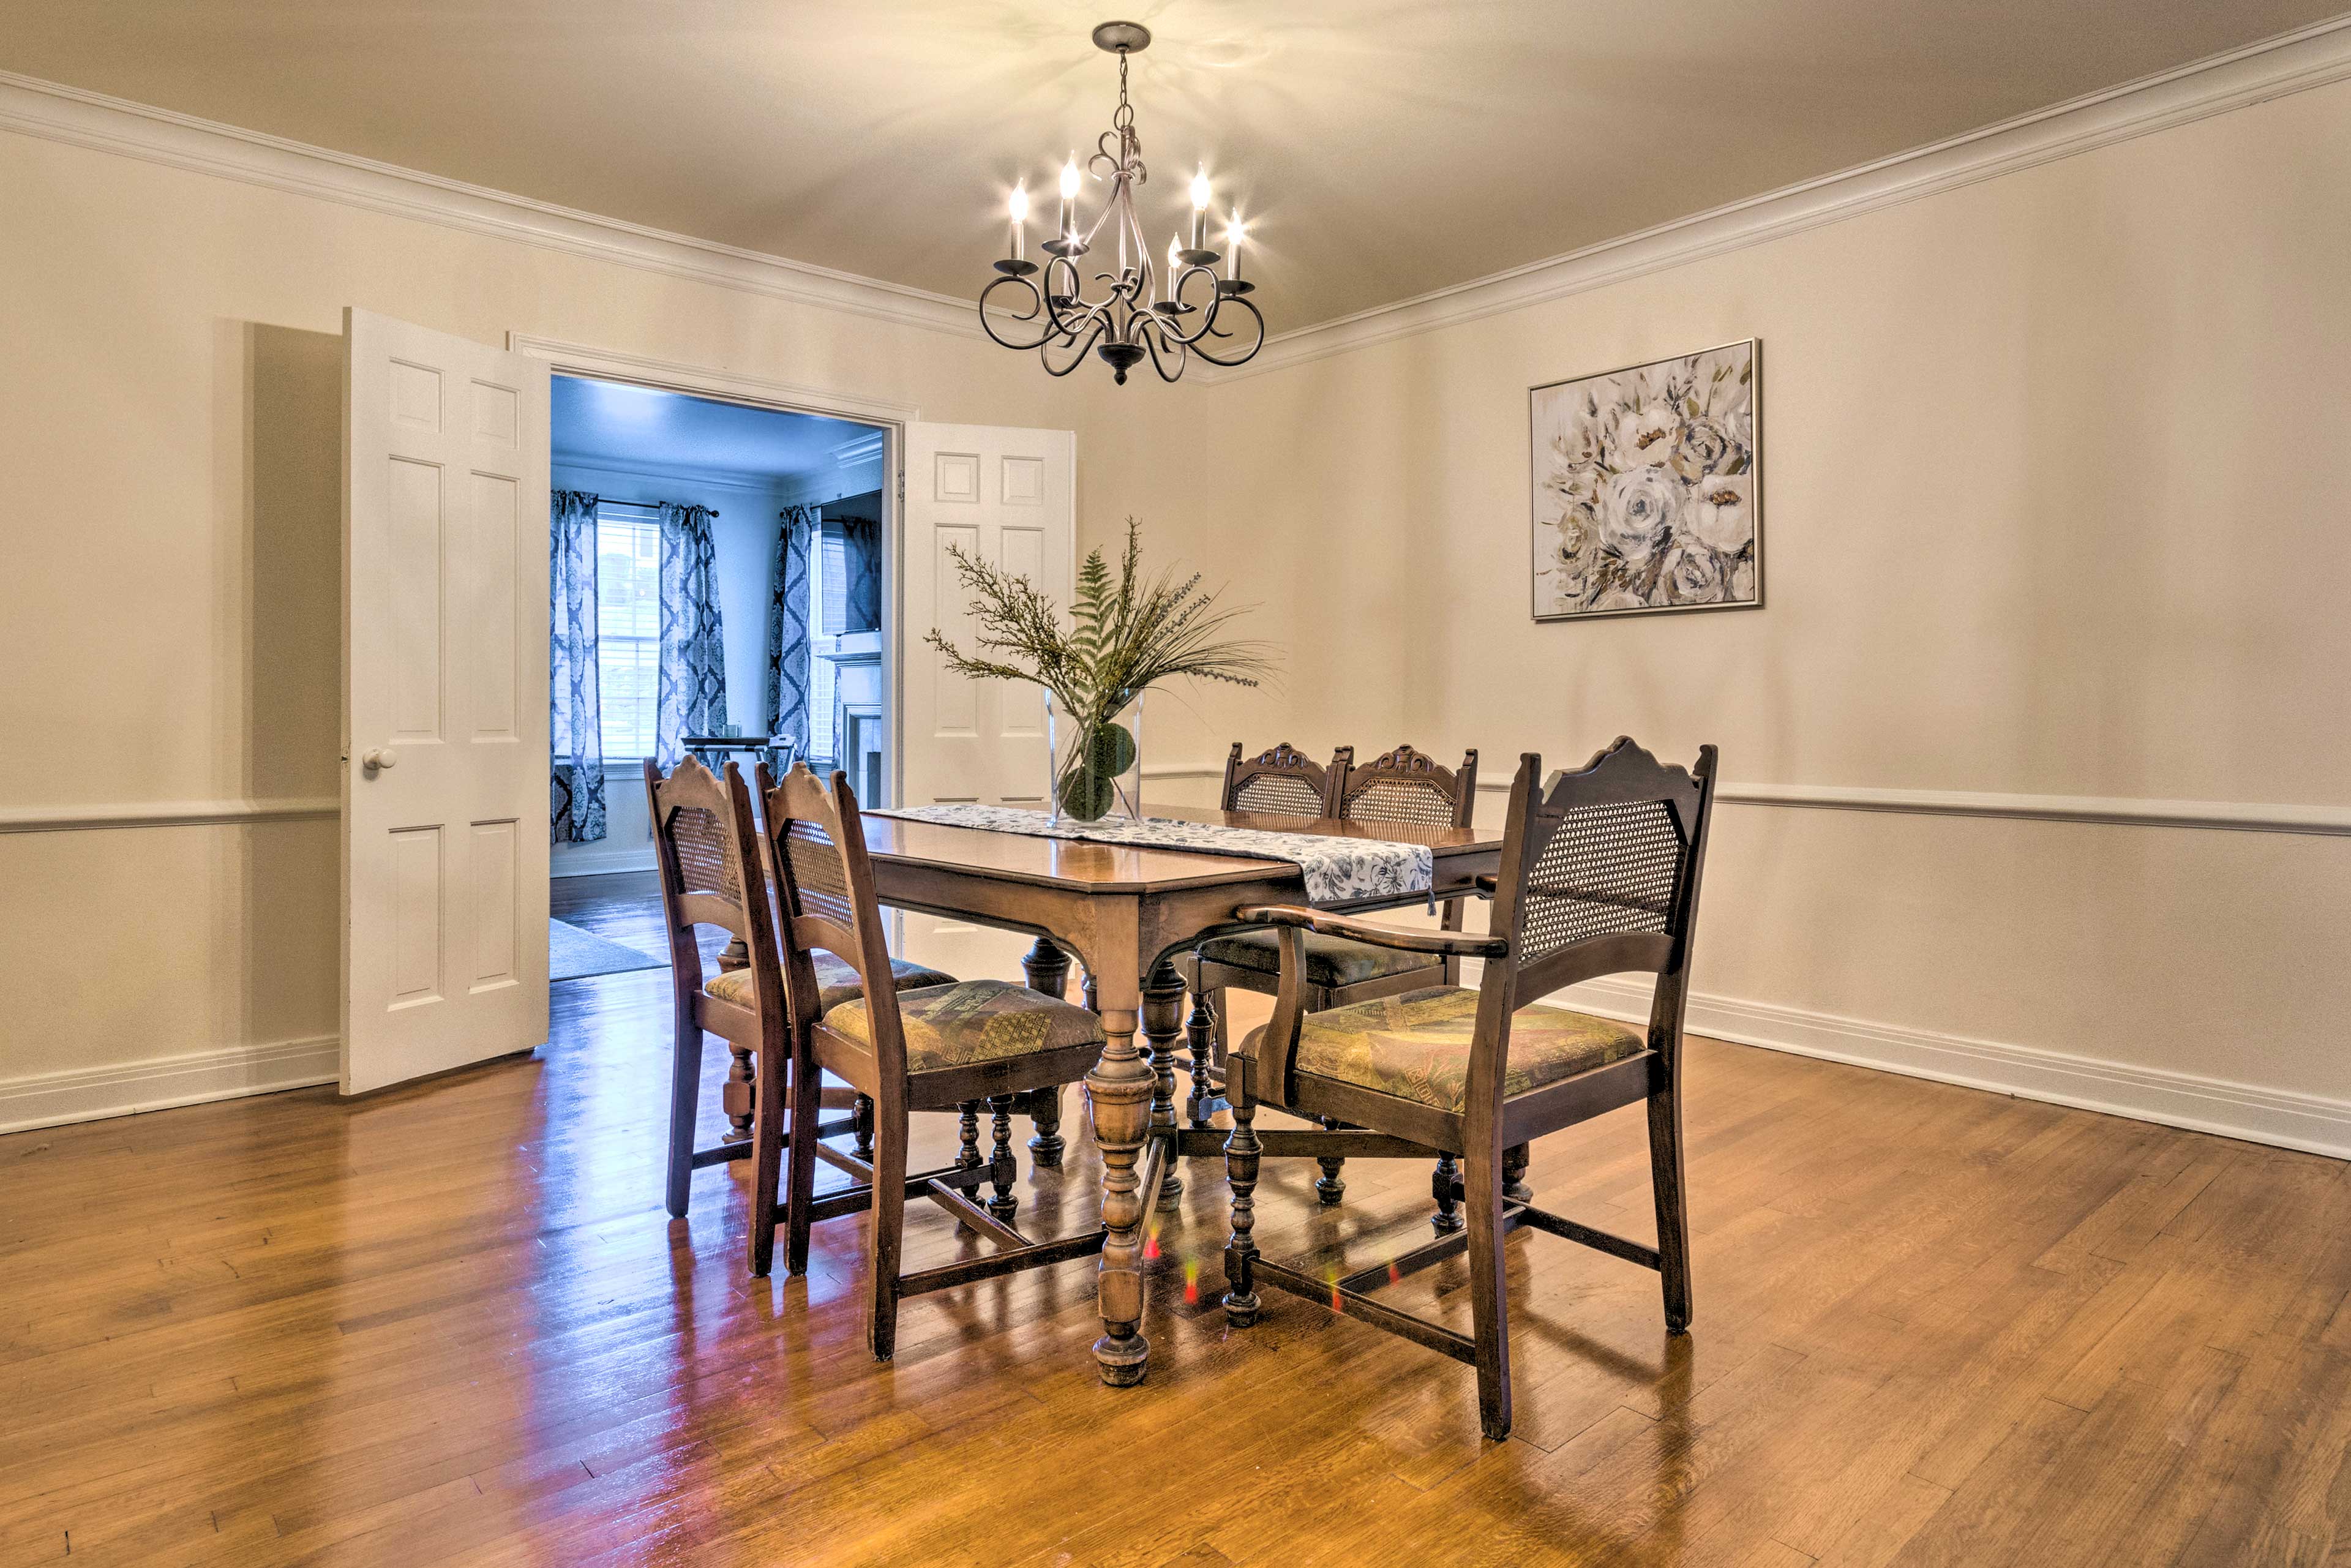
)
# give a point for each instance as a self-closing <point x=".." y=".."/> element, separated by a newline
<point x="77" y="117"/>
<point x="167" y="814"/>
<point x="2122" y="810"/>
<point x="2309" y="56"/>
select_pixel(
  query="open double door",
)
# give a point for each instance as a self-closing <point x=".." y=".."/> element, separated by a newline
<point x="445" y="607"/>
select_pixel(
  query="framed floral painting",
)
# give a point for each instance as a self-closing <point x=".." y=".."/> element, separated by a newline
<point x="1646" y="488"/>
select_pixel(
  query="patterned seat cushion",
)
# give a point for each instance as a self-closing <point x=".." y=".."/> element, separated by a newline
<point x="836" y="981"/>
<point x="1416" y="1046"/>
<point x="975" y="1021"/>
<point x="1330" y="960"/>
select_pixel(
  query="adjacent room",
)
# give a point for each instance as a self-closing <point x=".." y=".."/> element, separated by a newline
<point x="716" y="590"/>
<point x="1508" y="784"/>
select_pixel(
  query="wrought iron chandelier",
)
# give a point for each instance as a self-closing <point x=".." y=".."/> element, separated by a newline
<point x="1169" y="316"/>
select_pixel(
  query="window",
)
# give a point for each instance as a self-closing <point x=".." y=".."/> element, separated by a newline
<point x="628" y="632"/>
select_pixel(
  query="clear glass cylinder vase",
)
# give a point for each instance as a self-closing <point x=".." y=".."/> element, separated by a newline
<point x="1097" y="762"/>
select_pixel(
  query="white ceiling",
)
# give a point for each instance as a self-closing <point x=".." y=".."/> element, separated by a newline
<point x="1382" y="148"/>
<point x="610" y="425"/>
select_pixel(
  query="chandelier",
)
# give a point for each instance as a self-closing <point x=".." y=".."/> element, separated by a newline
<point x="1168" y="315"/>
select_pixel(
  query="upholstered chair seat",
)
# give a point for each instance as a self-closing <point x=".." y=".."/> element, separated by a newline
<point x="962" y="1025"/>
<point x="836" y="982"/>
<point x="1416" y="1046"/>
<point x="1331" y="961"/>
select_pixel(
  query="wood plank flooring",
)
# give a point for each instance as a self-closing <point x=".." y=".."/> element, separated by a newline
<point x="451" y="1324"/>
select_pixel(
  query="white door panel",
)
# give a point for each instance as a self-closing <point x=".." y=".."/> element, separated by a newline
<point x="444" y="671"/>
<point x="1006" y="497"/>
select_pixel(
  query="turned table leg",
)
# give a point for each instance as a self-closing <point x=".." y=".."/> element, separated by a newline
<point x="1118" y="1103"/>
<point x="1162" y="1009"/>
<point x="1048" y="970"/>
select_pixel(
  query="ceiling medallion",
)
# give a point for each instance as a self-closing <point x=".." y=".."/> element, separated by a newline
<point x="1169" y="316"/>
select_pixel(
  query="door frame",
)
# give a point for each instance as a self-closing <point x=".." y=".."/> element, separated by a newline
<point x="785" y="397"/>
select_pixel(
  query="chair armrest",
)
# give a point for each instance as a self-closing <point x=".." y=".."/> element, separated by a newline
<point x="1445" y="943"/>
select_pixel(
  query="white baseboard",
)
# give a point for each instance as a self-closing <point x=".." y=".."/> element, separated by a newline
<point x="601" y="863"/>
<point x="158" y="1084"/>
<point x="2279" y="1117"/>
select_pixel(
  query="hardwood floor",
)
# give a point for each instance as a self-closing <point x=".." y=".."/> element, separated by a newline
<point x="452" y="1324"/>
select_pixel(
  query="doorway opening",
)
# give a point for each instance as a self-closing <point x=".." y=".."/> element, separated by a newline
<point x="718" y="584"/>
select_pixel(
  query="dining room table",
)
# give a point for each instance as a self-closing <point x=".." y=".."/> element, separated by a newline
<point x="1123" y="912"/>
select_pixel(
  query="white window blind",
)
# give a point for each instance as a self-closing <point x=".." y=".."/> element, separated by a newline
<point x="628" y="632"/>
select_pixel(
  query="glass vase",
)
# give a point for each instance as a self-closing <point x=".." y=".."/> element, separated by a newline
<point x="1097" y="763"/>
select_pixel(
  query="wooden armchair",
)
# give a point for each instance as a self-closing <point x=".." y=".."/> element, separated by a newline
<point x="938" y="1048"/>
<point x="1404" y="786"/>
<point x="1599" y="875"/>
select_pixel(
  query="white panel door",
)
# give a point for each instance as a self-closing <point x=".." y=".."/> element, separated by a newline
<point x="1007" y="496"/>
<point x="444" y="701"/>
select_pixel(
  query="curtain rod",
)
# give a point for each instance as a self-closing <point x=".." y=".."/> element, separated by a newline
<point x="649" y="506"/>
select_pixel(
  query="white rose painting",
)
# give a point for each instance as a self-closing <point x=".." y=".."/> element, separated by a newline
<point x="1646" y="491"/>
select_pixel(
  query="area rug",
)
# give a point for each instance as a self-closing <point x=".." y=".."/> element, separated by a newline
<point x="573" y="954"/>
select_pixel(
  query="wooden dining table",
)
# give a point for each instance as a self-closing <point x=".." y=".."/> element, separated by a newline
<point x="1123" y="912"/>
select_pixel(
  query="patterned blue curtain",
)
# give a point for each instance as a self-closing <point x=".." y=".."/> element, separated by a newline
<point x="575" y="725"/>
<point x="862" y="539"/>
<point x="692" y="689"/>
<point x="788" y="629"/>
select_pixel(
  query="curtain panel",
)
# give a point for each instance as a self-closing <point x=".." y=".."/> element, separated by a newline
<point x="788" y="630"/>
<point x="692" y="685"/>
<point x="575" y="729"/>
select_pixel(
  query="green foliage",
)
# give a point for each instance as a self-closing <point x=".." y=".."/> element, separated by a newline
<point x="1124" y="634"/>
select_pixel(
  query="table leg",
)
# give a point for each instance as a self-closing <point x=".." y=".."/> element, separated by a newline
<point x="1162" y="1011"/>
<point x="1048" y="970"/>
<point x="1118" y="1103"/>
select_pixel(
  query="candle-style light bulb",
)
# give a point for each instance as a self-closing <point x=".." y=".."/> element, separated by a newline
<point x="1233" y="232"/>
<point x="1174" y="267"/>
<point x="1070" y="198"/>
<point x="1019" y="222"/>
<point x="1200" y="208"/>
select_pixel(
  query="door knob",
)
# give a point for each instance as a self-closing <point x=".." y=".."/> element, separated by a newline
<point x="381" y="756"/>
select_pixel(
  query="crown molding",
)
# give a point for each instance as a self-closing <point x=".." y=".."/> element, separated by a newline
<point x="76" y="116"/>
<point x="2291" y="62"/>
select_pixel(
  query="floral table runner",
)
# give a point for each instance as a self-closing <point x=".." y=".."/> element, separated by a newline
<point x="1338" y="870"/>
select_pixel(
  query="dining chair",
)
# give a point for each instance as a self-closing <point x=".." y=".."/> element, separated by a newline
<point x="709" y="878"/>
<point x="1401" y="786"/>
<point x="1280" y="781"/>
<point x="947" y="1047"/>
<point x="1599" y="875"/>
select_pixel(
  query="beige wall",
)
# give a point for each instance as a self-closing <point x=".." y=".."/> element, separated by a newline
<point x="171" y="351"/>
<point x="2057" y="502"/>
<point x="2055" y="477"/>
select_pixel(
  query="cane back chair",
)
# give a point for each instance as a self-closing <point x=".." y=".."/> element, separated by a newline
<point x="1403" y="786"/>
<point x="706" y="851"/>
<point x="936" y="1048"/>
<point x="1599" y="875"/>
